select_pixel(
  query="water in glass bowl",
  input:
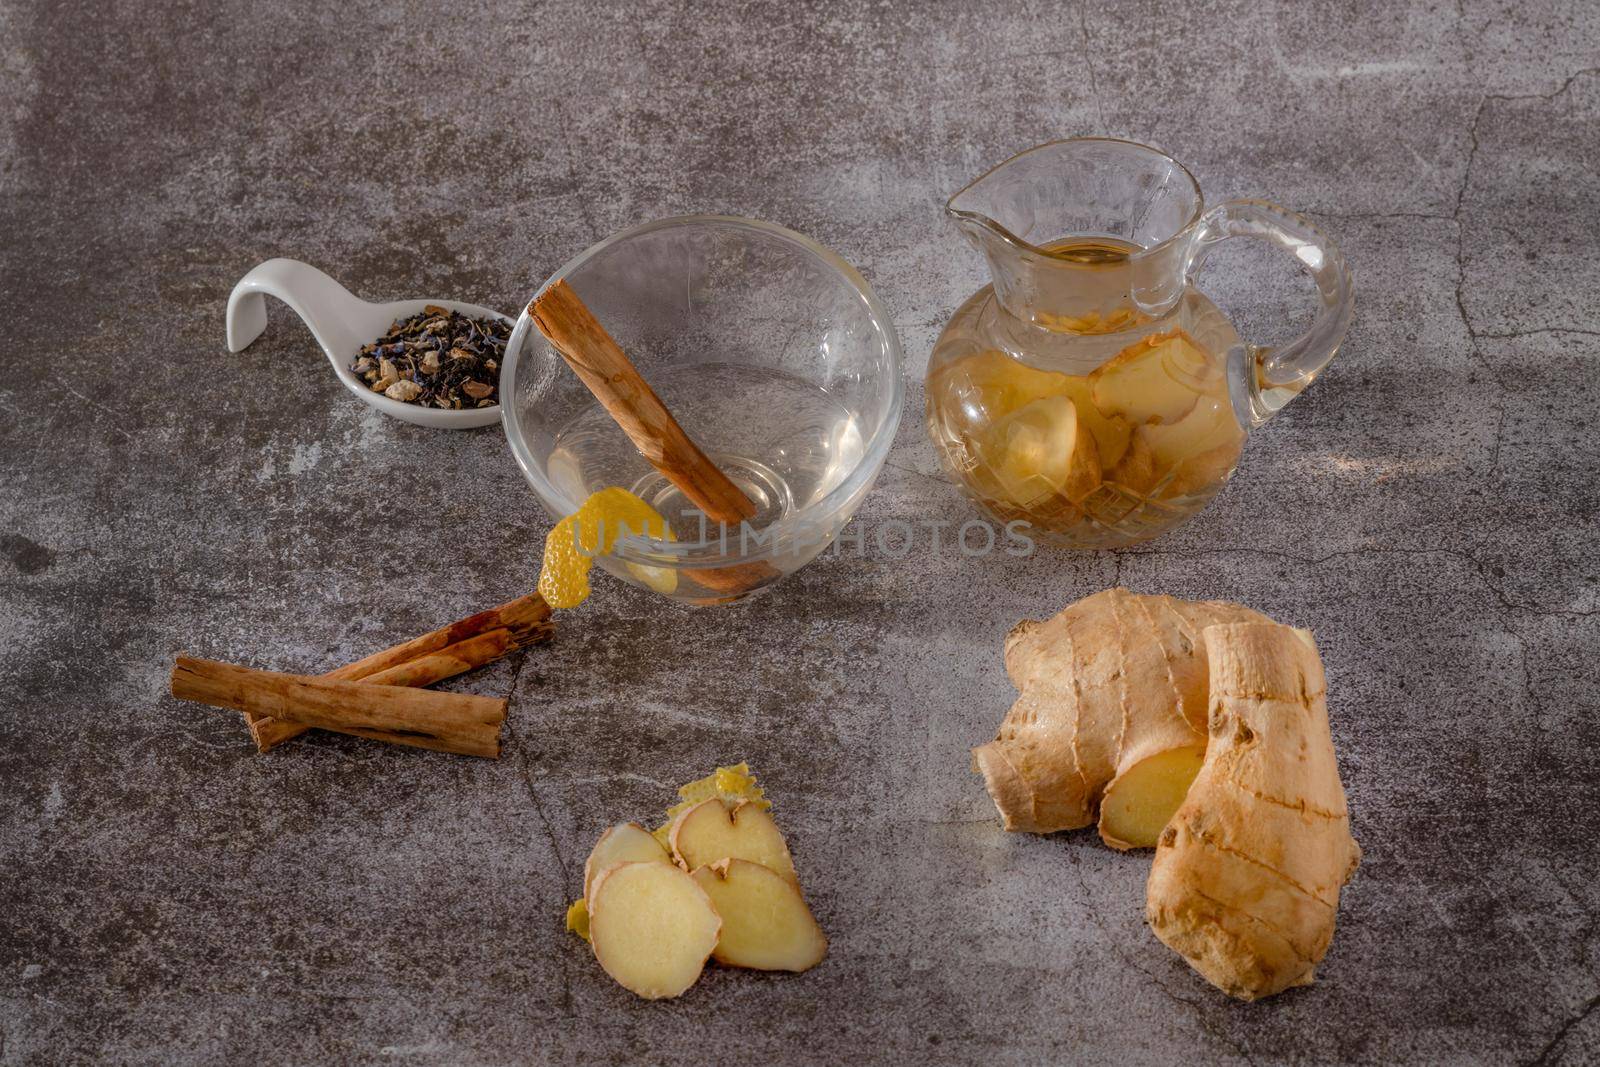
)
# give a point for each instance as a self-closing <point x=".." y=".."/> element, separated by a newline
<point x="786" y="441"/>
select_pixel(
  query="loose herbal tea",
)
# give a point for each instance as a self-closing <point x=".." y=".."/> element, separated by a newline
<point x="440" y="358"/>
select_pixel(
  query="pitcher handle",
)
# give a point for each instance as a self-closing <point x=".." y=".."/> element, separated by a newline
<point x="1263" y="378"/>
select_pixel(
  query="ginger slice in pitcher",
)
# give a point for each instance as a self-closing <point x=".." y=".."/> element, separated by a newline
<point x="1154" y="380"/>
<point x="990" y="384"/>
<point x="1040" y="450"/>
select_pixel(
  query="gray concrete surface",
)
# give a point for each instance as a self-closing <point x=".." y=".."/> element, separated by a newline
<point x="1429" y="508"/>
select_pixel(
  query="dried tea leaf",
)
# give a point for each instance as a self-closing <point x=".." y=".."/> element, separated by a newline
<point x="441" y="358"/>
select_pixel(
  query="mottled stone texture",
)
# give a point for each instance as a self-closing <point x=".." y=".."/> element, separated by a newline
<point x="1429" y="508"/>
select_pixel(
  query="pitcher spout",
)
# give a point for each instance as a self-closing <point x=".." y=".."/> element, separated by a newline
<point x="986" y="207"/>
<point x="1083" y="236"/>
<point x="980" y="230"/>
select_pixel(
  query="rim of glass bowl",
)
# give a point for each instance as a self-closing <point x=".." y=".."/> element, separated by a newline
<point x="688" y="555"/>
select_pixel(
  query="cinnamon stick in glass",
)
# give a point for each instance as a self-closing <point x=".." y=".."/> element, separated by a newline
<point x="596" y="358"/>
<point x="571" y="328"/>
<point x="424" y="718"/>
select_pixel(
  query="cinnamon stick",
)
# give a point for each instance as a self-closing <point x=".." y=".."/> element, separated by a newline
<point x="433" y="657"/>
<point x="425" y="718"/>
<point x="572" y="330"/>
<point x="526" y="616"/>
<point x="449" y="661"/>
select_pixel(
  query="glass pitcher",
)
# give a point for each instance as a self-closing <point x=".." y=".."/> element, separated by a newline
<point x="1091" y="390"/>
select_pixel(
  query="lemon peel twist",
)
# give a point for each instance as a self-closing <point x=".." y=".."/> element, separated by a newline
<point x="593" y="530"/>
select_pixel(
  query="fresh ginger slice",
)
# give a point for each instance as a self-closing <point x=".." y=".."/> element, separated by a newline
<point x="732" y="785"/>
<point x="1040" y="450"/>
<point x="1246" y="878"/>
<point x="1111" y="681"/>
<point x="623" y="843"/>
<point x="1206" y="471"/>
<point x="1140" y="801"/>
<point x="1137" y="385"/>
<point x="572" y="545"/>
<point x="652" y="927"/>
<point x="765" y="922"/>
<point x="708" y="833"/>
<point x="1188" y="438"/>
<point x="1091" y="322"/>
<point x="1188" y="364"/>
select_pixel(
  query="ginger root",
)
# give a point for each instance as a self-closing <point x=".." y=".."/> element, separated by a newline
<point x="1202" y="729"/>
<point x="1110" y="723"/>
<point x="1246" y="877"/>
<point x="1153" y="381"/>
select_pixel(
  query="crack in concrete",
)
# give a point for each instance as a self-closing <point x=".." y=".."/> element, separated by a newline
<point x="1543" y="329"/>
<point x="1461" y="195"/>
<point x="1378" y="215"/>
<point x="527" y="775"/>
<point x="550" y="835"/>
<point x="1193" y="1007"/>
<point x="1561" y="1034"/>
<point x="1088" y="62"/>
<point x="1316" y="561"/>
<point x="533" y="793"/>
<point x="1530" y="693"/>
<point x="920" y="474"/>
<point x="1473" y="350"/>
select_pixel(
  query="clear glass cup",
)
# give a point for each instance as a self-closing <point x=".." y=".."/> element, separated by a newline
<point x="776" y="358"/>
<point x="1092" y="390"/>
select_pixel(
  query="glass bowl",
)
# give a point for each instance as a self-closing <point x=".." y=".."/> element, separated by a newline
<point x="773" y="354"/>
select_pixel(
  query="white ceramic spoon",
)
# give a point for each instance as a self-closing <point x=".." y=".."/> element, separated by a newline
<point x="341" y="323"/>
